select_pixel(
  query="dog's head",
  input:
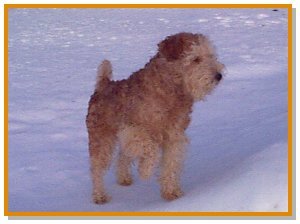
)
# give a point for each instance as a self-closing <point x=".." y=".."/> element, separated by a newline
<point x="193" y="56"/>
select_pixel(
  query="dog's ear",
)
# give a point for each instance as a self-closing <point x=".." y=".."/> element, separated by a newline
<point x="173" y="47"/>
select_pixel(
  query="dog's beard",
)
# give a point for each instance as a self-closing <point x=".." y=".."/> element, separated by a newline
<point x="200" y="87"/>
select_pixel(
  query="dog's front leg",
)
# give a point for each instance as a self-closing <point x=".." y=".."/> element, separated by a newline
<point x="172" y="159"/>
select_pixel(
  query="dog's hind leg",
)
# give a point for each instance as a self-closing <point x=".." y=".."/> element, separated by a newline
<point x="101" y="146"/>
<point x="124" y="169"/>
<point x="136" y="143"/>
<point x="149" y="159"/>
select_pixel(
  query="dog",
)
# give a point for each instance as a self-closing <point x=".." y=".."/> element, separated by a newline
<point x="148" y="113"/>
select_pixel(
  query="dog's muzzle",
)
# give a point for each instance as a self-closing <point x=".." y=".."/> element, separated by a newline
<point x="218" y="77"/>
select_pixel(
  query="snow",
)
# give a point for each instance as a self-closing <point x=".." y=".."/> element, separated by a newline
<point x="237" y="157"/>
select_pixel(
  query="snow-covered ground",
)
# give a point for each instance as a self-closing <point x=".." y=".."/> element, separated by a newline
<point x="237" y="157"/>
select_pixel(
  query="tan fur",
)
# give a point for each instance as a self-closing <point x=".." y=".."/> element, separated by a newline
<point x="149" y="112"/>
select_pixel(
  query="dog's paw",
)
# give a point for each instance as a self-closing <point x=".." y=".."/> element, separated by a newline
<point x="172" y="195"/>
<point x="125" y="181"/>
<point x="99" y="198"/>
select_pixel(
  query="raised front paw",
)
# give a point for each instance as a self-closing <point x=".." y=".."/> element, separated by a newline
<point x="125" y="181"/>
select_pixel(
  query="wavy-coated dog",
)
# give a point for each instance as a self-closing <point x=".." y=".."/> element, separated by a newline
<point x="148" y="113"/>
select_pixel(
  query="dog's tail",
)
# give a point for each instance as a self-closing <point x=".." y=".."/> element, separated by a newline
<point x="104" y="74"/>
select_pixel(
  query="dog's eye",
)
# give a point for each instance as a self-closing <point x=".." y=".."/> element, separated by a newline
<point x="197" y="60"/>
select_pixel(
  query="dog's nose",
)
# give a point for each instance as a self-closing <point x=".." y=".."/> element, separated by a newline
<point x="218" y="76"/>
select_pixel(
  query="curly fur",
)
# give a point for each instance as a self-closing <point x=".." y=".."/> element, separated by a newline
<point x="149" y="112"/>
